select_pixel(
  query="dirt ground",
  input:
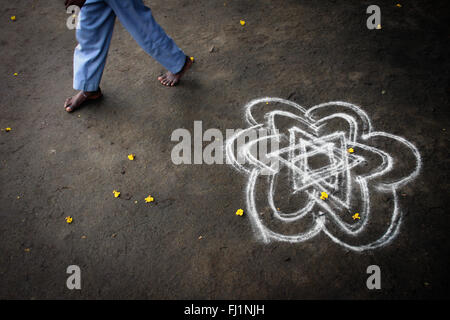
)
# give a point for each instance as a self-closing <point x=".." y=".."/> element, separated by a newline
<point x="54" y="164"/>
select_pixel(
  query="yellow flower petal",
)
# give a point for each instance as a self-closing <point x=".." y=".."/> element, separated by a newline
<point x="131" y="156"/>
<point x="350" y="150"/>
<point x="192" y="59"/>
<point x="13" y="18"/>
<point x="242" y="22"/>
<point x="379" y="26"/>
<point x="15" y="74"/>
<point x="149" y="199"/>
<point x="116" y="193"/>
<point x="323" y="195"/>
<point x="69" y="219"/>
<point x="356" y="216"/>
<point x="7" y="129"/>
<point x="239" y="212"/>
<point x="399" y="5"/>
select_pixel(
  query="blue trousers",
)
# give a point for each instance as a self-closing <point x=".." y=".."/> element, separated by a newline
<point x="94" y="32"/>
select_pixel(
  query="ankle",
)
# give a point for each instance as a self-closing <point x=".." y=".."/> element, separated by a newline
<point x="90" y="93"/>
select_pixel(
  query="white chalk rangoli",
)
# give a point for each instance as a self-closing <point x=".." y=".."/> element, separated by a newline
<point x="342" y="177"/>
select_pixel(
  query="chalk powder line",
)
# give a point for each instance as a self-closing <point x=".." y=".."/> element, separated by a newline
<point x="337" y="175"/>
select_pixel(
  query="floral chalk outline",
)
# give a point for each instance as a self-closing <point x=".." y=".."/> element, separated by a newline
<point x="337" y="175"/>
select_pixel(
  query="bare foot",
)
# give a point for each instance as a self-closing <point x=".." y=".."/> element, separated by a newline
<point x="77" y="100"/>
<point x="170" y="79"/>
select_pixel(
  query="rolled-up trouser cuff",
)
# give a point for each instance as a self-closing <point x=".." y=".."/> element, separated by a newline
<point x="81" y="85"/>
<point x="180" y="63"/>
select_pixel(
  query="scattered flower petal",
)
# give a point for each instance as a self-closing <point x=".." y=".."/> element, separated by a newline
<point x="379" y="26"/>
<point x="13" y="18"/>
<point x="323" y="195"/>
<point x="356" y="216"/>
<point x="131" y="156"/>
<point x="242" y="22"/>
<point x="192" y="59"/>
<point x="116" y="193"/>
<point x="8" y="129"/>
<point x="69" y="219"/>
<point x="239" y="212"/>
<point x="149" y="199"/>
<point x="350" y="150"/>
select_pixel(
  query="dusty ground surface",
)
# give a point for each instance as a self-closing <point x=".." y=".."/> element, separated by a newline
<point x="55" y="164"/>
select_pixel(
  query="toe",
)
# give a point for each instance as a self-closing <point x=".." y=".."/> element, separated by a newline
<point x="68" y="105"/>
<point x="162" y="79"/>
<point x="67" y="102"/>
